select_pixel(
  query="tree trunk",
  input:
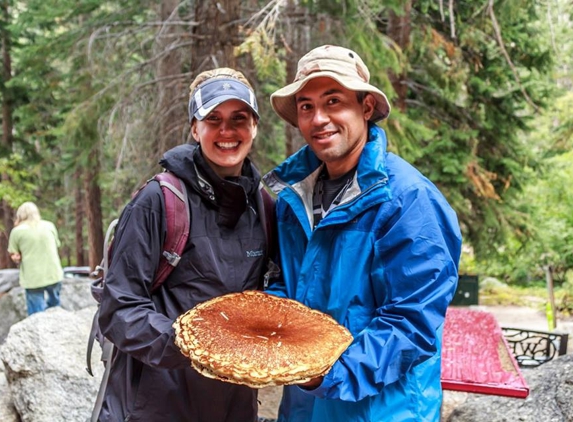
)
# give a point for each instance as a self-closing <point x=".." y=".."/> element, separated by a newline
<point x="93" y="210"/>
<point x="297" y="43"/>
<point x="216" y="36"/>
<point x="171" y="89"/>
<point x="8" y="224"/>
<point x="6" y="210"/>
<point x="79" y="222"/>
<point x="551" y="308"/>
<point x="399" y="28"/>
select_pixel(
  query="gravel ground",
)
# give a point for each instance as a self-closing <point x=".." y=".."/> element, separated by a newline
<point x="269" y="400"/>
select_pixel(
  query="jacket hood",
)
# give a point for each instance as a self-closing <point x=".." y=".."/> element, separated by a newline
<point x="179" y="161"/>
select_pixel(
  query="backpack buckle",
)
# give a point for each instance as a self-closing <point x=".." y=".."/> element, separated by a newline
<point x="172" y="258"/>
<point x="96" y="272"/>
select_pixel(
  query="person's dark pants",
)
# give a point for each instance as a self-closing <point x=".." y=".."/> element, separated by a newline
<point x="36" y="298"/>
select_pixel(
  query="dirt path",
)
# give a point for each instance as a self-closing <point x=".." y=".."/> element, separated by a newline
<point x="518" y="317"/>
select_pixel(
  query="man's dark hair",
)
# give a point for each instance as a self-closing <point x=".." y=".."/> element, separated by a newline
<point x="360" y="95"/>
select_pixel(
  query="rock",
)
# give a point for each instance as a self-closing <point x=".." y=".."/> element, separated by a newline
<point x="44" y="358"/>
<point x="12" y="310"/>
<point x="75" y="294"/>
<point x="9" y="278"/>
<point x="7" y="410"/>
<point x="550" y="398"/>
<point x="450" y="400"/>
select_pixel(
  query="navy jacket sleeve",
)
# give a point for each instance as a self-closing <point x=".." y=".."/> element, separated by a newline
<point x="128" y="315"/>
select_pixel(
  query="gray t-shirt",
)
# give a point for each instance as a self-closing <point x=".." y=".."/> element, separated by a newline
<point x="327" y="192"/>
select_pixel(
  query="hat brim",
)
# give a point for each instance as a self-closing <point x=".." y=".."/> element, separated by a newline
<point x="209" y="106"/>
<point x="284" y="103"/>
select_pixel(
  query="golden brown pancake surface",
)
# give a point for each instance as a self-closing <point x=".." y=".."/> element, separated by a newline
<point x="259" y="340"/>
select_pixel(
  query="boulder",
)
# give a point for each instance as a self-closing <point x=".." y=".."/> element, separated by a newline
<point x="7" y="410"/>
<point x="75" y="294"/>
<point x="550" y="398"/>
<point x="12" y="310"/>
<point x="9" y="278"/>
<point x="44" y="359"/>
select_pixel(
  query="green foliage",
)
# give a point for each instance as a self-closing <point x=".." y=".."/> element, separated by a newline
<point x="481" y="117"/>
<point x="21" y="187"/>
<point x="331" y="7"/>
<point x="546" y="232"/>
<point x="500" y="294"/>
<point x="259" y="43"/>
<point x="564" y="297"/>
<point x="464" y="89"/>
<point x="468" y="104"/>
<point x="551" y="215"/>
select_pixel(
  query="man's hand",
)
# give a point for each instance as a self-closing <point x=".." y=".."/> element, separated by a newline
<point x="312" y="384"/>
<point x="16" y="257"/>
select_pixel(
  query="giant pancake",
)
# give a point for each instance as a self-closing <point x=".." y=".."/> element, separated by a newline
<point x="260" y="340"/>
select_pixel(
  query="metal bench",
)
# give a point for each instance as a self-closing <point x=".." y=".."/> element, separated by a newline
<point x="533" y="348"/>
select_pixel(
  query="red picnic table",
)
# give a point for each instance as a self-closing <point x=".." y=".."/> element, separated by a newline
<point x="476" y="357"/>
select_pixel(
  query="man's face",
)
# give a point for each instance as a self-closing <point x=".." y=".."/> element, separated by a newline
<point x="333" y="123"/>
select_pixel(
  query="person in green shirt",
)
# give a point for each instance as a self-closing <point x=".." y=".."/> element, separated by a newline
<point x="33" y="244"/>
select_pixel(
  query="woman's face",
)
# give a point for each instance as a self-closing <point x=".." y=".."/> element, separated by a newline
<point x="226" y="136"/>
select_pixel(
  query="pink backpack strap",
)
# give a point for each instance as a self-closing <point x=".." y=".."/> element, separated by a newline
<point x="178" y="217"/>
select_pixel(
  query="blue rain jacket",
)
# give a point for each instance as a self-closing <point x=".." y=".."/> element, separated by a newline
<point x="384" y="264"/>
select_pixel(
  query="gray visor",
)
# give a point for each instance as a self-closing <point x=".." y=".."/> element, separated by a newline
<point x="214" y="92"/>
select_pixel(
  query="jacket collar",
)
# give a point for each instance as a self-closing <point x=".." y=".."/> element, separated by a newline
<point x="302" y="168"/>
<point x="230" y="195"/>
<point x="295" y="178"/>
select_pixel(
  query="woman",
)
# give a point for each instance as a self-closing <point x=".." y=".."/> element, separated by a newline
<point x="150" y="379"/>
<point x="34" y="244"/>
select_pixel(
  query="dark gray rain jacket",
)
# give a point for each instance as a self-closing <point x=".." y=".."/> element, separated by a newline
<point x="150" y="379"/>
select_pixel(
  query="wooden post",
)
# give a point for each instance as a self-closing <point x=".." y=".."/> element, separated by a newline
<point x="549" y="278"/>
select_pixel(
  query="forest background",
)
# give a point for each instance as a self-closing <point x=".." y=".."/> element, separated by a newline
<point x="94" y="91"/>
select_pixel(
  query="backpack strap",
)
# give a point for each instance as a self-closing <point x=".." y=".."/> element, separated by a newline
<point x="96" y="289"/>
<point x="268" y="220"/>
<point x="177" y="216"/>
<point x="106" y="356"/>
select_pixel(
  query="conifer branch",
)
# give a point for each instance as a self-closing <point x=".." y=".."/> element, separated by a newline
<point x="499" y="39"/>
<point x="452" y="20"/>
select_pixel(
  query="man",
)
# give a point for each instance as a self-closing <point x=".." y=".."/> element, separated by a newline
<point x="34" y="245"/>
<point x="367" y="239"/>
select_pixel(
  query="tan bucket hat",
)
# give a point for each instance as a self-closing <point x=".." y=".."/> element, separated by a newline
<point x="339" y="63"/>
